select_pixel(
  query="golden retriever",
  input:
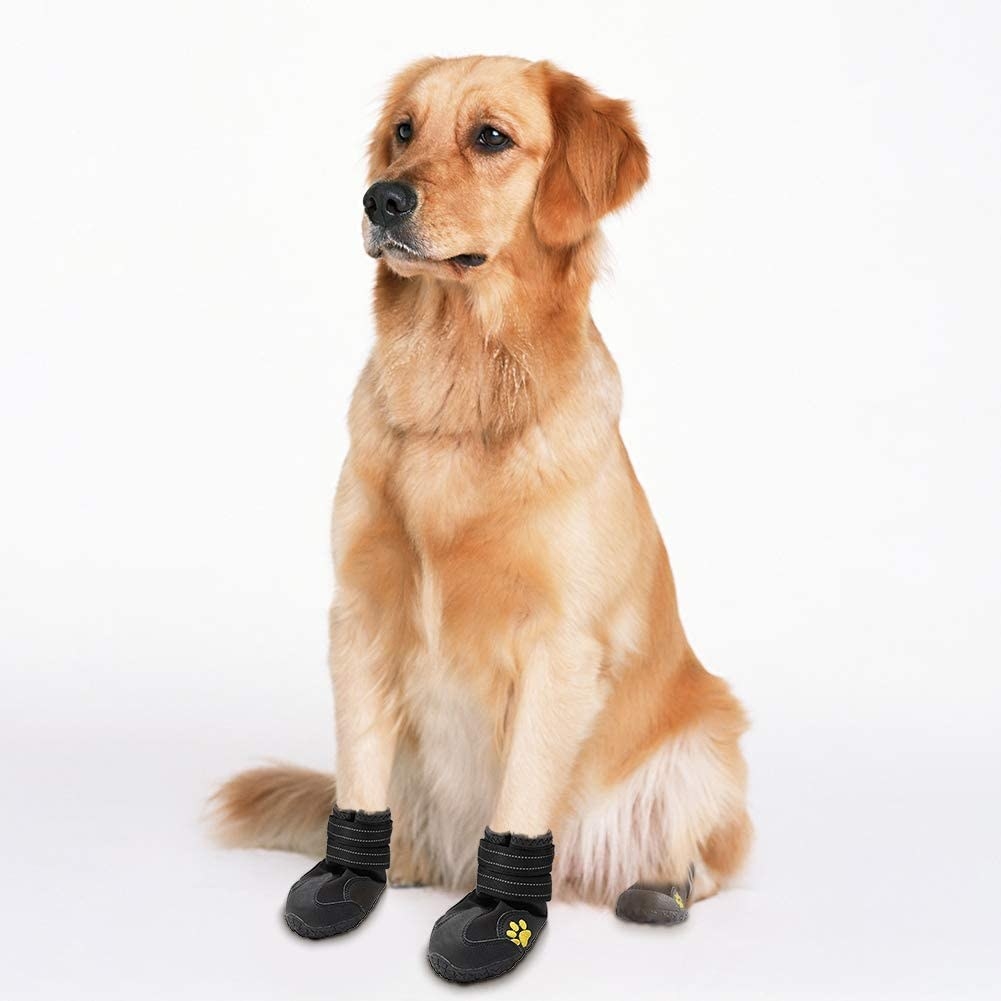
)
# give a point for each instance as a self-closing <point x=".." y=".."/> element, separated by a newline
<point x="505" y="646"/>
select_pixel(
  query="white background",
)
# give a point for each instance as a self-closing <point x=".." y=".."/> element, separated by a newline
<point x="805" y="307"/>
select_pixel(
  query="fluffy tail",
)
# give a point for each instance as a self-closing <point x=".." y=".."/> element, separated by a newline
<point x="280" y="806"/>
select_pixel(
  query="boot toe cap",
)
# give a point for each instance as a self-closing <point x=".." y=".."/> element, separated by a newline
<point x="468" y="945"/>
<point x="319" y="906"/>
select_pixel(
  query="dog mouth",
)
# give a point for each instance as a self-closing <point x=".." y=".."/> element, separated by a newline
<point x="393" y="246"/>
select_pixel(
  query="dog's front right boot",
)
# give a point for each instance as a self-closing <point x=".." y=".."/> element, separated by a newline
<point x="338" y="893"/>
<point x="491" y="930"/>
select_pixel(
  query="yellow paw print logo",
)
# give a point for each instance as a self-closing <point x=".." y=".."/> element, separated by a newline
<point x="519" y="933"/>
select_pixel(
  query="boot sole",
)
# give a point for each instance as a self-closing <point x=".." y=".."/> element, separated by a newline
<point x="454" y="975"/>
<point x="650" y="911"/>
<point x="304" y="930"/>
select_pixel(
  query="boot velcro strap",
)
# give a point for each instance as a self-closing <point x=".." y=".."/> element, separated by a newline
<point x="515" y="872"/>
<point x="359" y="840"/>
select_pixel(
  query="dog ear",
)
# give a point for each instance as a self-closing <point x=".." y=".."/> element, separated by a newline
<point x="596" y="164"/>
<point x="380" y="145"/>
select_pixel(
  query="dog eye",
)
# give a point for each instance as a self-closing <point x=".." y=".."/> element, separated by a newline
<point x="404" y="131"/>
<point x="492" y="139"/>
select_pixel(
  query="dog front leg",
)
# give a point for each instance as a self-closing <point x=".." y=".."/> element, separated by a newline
<point x="366" y="734"/>
<point x="558" y="699"/>
<point x="493" y="927"/>
<point x="341" y="890"/>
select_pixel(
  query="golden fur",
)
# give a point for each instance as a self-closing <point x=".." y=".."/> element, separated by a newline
<point x="505" y="640"/>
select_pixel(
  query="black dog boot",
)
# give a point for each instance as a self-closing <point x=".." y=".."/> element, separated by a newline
<point x="656" y="904"/>
<point x="492" y="929"/>
<point x="338" y="893"/>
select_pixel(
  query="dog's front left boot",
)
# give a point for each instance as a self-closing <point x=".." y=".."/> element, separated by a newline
<point x="491" y="930"/>
<point x="338" y="893"/>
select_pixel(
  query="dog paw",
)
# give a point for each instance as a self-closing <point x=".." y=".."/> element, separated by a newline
<point x="519" y="933"/>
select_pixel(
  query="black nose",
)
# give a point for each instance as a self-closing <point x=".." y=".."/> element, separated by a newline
<point x="388" y="203"/>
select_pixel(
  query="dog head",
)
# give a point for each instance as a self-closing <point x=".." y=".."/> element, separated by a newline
<point x="473" y="159"/>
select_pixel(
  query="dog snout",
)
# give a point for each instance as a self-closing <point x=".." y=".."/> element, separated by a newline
<point x="389" y="203"/>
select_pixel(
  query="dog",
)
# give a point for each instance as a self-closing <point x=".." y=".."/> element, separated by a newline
<point x="505" y="645"/>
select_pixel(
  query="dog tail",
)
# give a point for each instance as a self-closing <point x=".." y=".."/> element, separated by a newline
<point x="278" y="806"/>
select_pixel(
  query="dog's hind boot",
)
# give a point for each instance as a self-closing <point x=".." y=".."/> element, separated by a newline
<point x="338" y="893"/>
<point x="656" y="903"/>
<point x="493" y="928"/>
